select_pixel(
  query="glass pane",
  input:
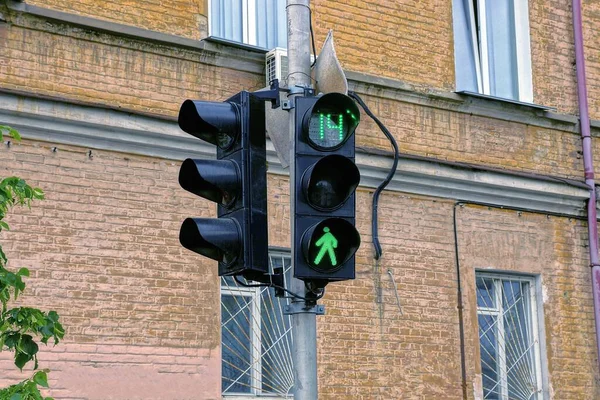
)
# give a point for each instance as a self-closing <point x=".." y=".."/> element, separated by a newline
<point x="488" y="345"/>
<point x="502" y="58"/>
<point x="271" y="23"/>
<point x="236" y="344"/>
<point x="508" y="349"/>
<point x="521" y="377"/>
<point x="485" y="293"/>
<point x="229" y="281"/>
<point x="464" y="51"/>
<point x="226" y="19"/>
<point x="276" y="343"/>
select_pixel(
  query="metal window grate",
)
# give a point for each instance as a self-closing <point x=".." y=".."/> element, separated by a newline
<point x="508" y="337"/>
<point x="256" y="339"/>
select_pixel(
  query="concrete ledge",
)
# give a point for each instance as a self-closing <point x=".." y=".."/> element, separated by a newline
<point x="65" y="123"/>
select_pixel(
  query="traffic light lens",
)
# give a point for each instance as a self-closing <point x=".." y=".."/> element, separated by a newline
<point x="328" y="128"/>
<point x="329" y="244"/>
<point x="224" y="140"/>
<point x="330" y="181"/>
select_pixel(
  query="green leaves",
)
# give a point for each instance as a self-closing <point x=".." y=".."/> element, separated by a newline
<point x="10" y="280"/>
<point x="17" y="326"/>
<point x="21" y="326"/>
<point x="15" y="191"/>
<point x="27" y="389"/>
<point x="41" y="378"/>
<point x="13" y="133"/>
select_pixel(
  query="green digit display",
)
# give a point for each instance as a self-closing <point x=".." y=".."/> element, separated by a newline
<point x="328" y="129"/>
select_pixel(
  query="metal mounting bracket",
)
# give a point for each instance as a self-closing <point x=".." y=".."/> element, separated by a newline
<point x="288" y="104"/>
<point x="272" y="94"/>
<point x="301" y="308"/>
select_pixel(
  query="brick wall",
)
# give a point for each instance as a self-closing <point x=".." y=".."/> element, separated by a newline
<point x="132" y="76"/>
<point x="370" y="350"/>
<point x="142" y="314"/>
<point x="555" y="249"/>
<point x="104" y="252"/>
<point x="185" y="18"/>
<point x="457" y="136"/>
<point x="553" y="54"/>
<point x="407" y="40"/>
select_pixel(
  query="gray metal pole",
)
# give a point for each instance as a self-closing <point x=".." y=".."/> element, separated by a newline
<point x="304" y="325"/>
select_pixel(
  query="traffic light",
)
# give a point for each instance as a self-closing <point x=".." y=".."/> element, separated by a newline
<point x="326" y="178"/>
<point x="236" y="181"/>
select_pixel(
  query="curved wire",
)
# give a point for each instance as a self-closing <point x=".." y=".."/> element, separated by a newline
<point x="386" y="132"/>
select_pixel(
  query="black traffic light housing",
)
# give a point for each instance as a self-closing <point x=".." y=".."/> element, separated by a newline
<point x="326" y="177"/>
<point x="236" y="181"/>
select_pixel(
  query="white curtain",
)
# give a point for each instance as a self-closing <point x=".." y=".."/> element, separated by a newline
<point x="466" y="48"/>
<point x="226" y="18"/>
<point x="501" y="49"/>
<point x="485" y="48"/>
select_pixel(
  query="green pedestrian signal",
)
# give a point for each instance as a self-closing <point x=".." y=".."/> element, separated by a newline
<point x="324" y="237"/>
<point x="327" y="243"/>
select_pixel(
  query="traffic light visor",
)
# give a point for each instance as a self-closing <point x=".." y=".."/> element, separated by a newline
<point x="328" y="245"/>
<point x="218" y="239"/>
<point x="330" y="181"/>
<point x="215" y="180"/>
<point x="215" y="123"/>
<point x="331" y="121"/>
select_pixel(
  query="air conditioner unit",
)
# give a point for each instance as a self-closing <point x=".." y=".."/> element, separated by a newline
<point x="276" y="66"/>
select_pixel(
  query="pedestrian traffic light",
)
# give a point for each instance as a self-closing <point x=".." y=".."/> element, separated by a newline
<point x="236" y="181"/>
<point x="326" y="177"/>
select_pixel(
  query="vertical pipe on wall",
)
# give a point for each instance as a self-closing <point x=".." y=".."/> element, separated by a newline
<point x="588" y="165"/>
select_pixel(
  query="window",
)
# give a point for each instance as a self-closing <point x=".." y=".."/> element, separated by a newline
<point x="256" y="22"/>
<point x="491" y="48"/>
<point x="509" y="337"/>
<point x="256" y="339"/>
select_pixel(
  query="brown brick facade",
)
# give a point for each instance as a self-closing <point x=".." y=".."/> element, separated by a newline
<point x="142" y="313"/>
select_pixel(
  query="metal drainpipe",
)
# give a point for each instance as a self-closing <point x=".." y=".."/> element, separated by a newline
<point x="588" y="165"/>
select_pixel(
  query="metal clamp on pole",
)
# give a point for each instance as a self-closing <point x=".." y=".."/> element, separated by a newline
<point x="302" y="308"/>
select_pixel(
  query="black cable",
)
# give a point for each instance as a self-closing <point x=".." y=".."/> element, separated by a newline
<point x="387" y="180"/>
<point x="312" y="37"/>
<point x="249" y="285"/>
<point x="281" y="288"/>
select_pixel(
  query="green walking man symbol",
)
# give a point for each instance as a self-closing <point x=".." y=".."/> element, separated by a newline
<point x="327" y="243"/>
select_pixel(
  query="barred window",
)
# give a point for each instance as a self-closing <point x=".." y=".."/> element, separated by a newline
<point x="509" y="337"/>
<point x="256" y="339"/>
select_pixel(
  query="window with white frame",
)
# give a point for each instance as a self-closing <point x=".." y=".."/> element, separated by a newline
<point x="260" y="23"/>
<point x="256" y="338"/>
<point x="492" y="48"/>
<point x="507" y="313"/>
